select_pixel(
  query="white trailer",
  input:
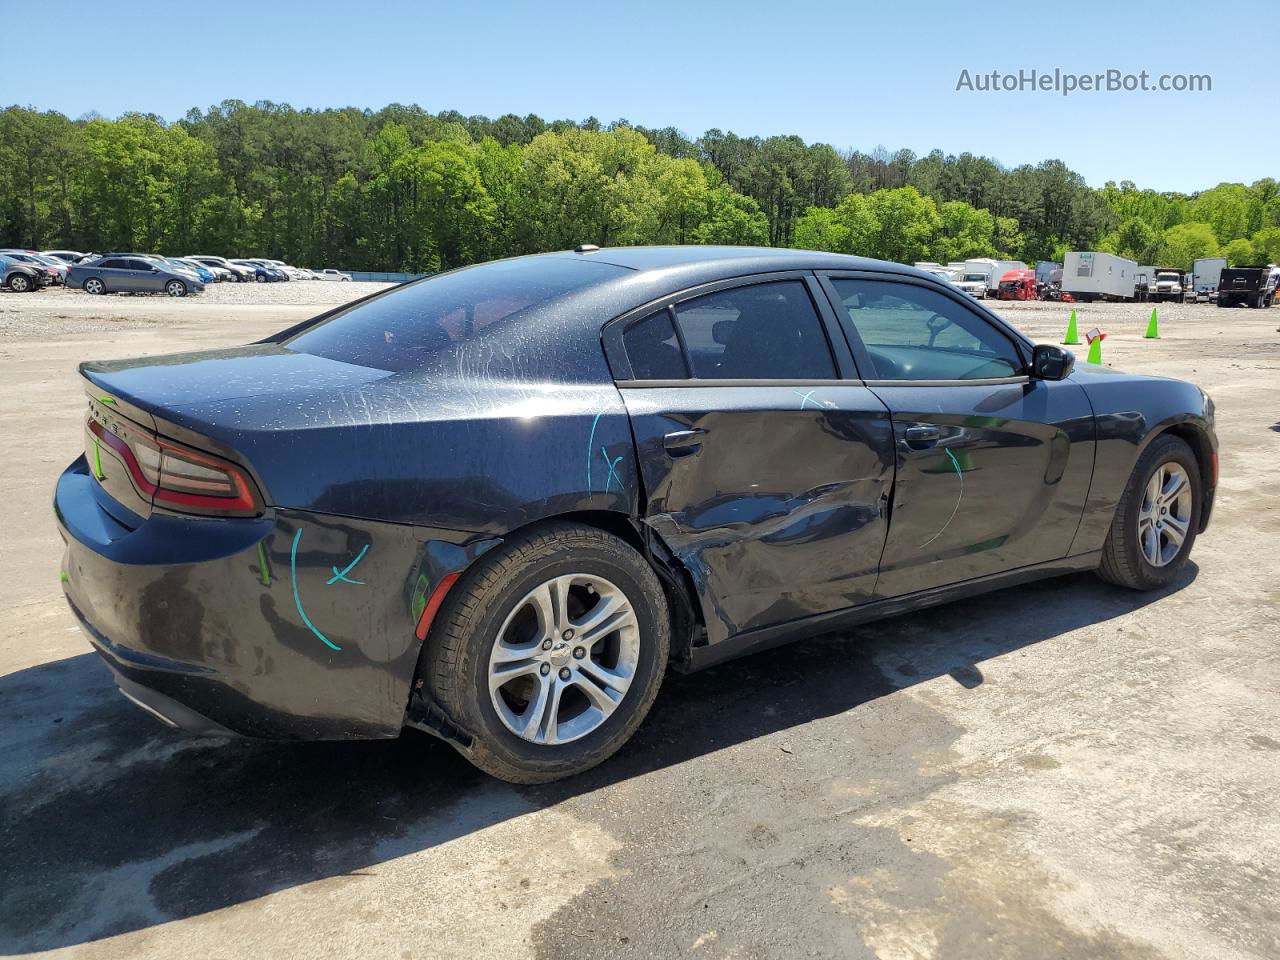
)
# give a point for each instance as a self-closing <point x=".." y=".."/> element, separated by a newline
<point x="1091" y="276"/>
<point x="1205" y="274"/>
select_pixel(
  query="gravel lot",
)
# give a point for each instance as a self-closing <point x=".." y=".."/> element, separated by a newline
<point x="57" y="310"/>
<point x="1061" y="770"/>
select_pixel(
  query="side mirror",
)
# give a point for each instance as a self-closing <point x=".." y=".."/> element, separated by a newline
<point x="1050" y="362"/>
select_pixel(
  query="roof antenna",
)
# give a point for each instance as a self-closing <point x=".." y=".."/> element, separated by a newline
<point x="585" y="248"/>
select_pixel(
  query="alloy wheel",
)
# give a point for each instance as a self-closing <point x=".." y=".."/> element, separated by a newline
<point x="564" y="659"/>
<point x="176" y="288"/>
<point x="1165" y="517"/>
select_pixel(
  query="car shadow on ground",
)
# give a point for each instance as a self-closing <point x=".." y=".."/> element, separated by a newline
<point x="114" y="823"/>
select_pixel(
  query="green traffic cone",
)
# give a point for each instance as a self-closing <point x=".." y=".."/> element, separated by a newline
<point x="1153" y="328"/>
<point x="1072" y="337"/>
<point x="1095" y="351"/>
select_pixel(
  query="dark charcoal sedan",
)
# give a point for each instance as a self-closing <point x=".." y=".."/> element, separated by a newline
<point x="497" y="503"/>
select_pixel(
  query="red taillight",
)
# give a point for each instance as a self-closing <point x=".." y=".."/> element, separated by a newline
<point x="180" y="478"/>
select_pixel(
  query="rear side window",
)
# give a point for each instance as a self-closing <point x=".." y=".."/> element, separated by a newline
<point x="111" y="264"/>
<point x="406" y="328"/>
<point x="766" y="331"/>
<point x="653" y="348"/>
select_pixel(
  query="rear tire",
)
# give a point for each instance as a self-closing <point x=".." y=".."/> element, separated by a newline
<point x="522" y="611"/>
<point x="1139" y="552"/>
<point x="95" y="286"/>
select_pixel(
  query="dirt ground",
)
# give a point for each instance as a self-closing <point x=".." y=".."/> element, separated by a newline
<point x="1060" y="770"/>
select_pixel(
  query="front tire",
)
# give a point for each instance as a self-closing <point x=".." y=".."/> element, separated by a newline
<point x="19" y="283"/>
<point x="262" y="278"/>
<point x="175" y="288"/>
<point x="1155" y="524"/>
<point x="549" y="652"/>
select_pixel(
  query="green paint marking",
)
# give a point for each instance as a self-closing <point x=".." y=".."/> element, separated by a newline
<point x="63" y="577"/>
<point x="110" y="400"/>
<point x="97" y="461"/>
<point x="263" y="572"/>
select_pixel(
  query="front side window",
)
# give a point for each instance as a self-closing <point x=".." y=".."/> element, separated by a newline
<point x="766" y="331"/>
<point x="914" y="333"/>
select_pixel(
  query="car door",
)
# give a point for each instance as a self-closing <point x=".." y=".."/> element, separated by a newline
<point x="147" y="275"/>
<point x="766" y="463"/>
<point x="113" y="273"/>
<point x="993" y="466"/>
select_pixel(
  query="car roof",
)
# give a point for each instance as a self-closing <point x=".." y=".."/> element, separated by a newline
<point x="733" y="261"/>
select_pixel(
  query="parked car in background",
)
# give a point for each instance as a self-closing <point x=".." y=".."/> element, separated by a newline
<point x="328" y="273"/>
<point x="714" y="482"/>
<point x="239" y="273"/>
<point x="21" y="277"/>
<point x="279" y="272"/>
<point x="66" y="256"/>
<point x="116" y="273"/>
<point x="199" y="269"/>
<point x="261" y="273"/>
<point x="51" y="274"/>
<point x="59" y="267"/>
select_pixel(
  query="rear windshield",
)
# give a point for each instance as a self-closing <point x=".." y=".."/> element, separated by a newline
<point x="407" y="328"/>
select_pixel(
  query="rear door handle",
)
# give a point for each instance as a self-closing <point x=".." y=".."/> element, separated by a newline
<point x="922" y="437"/>
<point x="683" y="443"/>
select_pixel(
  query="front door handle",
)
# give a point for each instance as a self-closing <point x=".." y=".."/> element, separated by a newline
<point x="683" y="443"/>
<point x="921" y="438"/>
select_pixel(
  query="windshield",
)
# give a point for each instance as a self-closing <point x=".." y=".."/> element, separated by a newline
<point x="405" y="328"/>
<point x="975" y="278"/>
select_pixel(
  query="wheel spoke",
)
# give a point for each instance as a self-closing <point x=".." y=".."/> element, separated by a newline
<point x="600" y="699"/>
<point x="535" y="712"/>
<point x="1154" y="486"/>
<point x="1173" y="486"/>
<point x="618" y="682"/>
<point x="549" y="600"/>
<point x="547" y="729"/>
<point x="609" y="614"/>
<point x="504" y="673"/>
<point x="1151" y="545"/>
<point x="504" y="653"/>
<point x="1175" y="530"/>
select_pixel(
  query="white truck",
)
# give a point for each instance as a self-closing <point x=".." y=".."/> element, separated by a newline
<point x="1090" y="276"/>
<point x="1205" y="274"/>
<point x="975" y="279"/>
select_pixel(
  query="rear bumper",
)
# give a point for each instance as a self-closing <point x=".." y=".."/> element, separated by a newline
<point x="245" y="625"/>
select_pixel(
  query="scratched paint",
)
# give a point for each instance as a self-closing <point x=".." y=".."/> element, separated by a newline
<point x="297" y="600"/>
<point x="342" y="575"/>
<point x="591" y="444"/>
<point x="960" y="496"/>
<point x="264" y="573"/>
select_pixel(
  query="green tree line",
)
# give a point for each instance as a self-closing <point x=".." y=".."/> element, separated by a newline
<point x="404" y="189"/>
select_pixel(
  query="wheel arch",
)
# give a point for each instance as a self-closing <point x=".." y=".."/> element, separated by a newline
<point x="678" y="585"/>
<point x="1197" y="438"/>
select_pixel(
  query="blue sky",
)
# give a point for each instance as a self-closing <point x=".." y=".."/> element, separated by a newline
<point x="849" y="74"/>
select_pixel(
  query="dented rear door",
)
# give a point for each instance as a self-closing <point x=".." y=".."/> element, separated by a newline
<point x="772" y="492"/>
